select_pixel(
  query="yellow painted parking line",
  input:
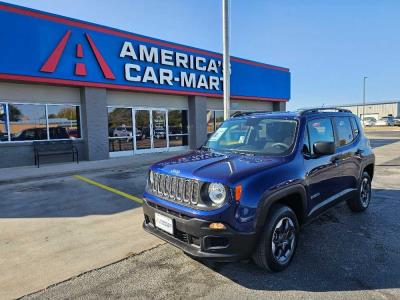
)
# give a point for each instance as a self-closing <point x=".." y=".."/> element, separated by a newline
<point x="110" y="189"/>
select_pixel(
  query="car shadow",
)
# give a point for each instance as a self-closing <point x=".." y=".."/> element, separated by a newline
<point x="338" y="251"/>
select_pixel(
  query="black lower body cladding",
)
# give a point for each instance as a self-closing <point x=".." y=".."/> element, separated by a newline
<point x="195" y="238"/>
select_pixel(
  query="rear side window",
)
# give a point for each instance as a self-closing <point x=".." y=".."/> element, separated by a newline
<point x="356" y="131"/>
<point x="344" y="131"/>
<point x="320" y="130"/>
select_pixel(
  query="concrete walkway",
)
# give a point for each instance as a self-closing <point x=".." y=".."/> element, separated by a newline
<point x="54" y="226"/>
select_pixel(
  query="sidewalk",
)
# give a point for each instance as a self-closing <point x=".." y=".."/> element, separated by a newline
<point x="27" y="173"/>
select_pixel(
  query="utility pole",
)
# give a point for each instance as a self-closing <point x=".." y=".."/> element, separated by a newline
<point x="226" y="59"/>
<point x="363" y="117"/>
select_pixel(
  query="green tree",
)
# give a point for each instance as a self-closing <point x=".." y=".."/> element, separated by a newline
<point x="14" y="113"/>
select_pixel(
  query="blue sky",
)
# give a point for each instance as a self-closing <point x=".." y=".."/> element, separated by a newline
<point x="328" y="45"/>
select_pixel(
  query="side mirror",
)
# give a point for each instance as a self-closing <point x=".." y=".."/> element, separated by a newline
<point x="324" y="148"/>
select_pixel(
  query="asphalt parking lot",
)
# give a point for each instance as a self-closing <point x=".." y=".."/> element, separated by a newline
<point x="340" y="255"/>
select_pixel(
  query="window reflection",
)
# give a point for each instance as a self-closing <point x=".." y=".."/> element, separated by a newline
<point x="178" y="128"/>
<point x="3" y="123"/>
<point x="120" y="129"/>
<point x="142" y="119"/>
<point x="219" y="118"/>
<point x="210" y="121"/>
<point x="27" y="122"/>
<point x="64" y="121"/>
<point x="159" y="129"/>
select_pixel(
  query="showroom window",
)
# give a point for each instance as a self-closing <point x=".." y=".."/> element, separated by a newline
<point x="178" y="128"/>
<point x="3" y="123"/>
<point x="27" y="122"/>
<point x="215" y="119"/>
<point x="64" y="121"/>
<point x="30" y="122"/>
<point x="120" y="129"/>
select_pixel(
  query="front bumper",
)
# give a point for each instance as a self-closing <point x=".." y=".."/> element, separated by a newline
<point x="193" y="236"/>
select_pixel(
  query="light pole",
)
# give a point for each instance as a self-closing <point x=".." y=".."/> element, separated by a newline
<point x="226" y="59"/>
<point x="363" y="118"/>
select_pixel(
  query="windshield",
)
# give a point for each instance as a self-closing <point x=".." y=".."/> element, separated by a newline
<point x="265" y="136"/>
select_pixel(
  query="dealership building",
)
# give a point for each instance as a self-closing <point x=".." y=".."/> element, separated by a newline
<point x="115" y="93"/>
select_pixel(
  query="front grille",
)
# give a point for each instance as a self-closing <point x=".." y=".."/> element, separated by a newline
<point x="175" y="188"/>
<point x="168" y="211"/>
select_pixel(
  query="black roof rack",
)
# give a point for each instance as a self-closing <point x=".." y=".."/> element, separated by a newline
<point x="248" y="113"/>
<point x="321" y="109"/>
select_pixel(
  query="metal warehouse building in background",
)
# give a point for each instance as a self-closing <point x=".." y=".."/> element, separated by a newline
<point x="113" y="92"/>
<point x="375" y="109"/>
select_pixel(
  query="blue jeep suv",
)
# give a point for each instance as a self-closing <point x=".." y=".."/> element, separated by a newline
<point x="257" y="179"/>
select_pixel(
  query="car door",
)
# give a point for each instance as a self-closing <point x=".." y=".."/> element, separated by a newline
<point x="322" y="174"/>
<point x="347" y="150"/>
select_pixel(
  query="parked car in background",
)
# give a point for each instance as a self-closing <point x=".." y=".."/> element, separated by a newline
<point x="369" y="121"/>
<point x="122" y="131"/>
<point x="73" y="133"/>
<point x="385" y="121"/>
<point x="31" y="134"/>
<point x="396" y="121"/>
<point x="3" y="136"/>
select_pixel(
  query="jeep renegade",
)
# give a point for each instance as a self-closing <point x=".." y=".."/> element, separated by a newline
<point x="257" y="179"/>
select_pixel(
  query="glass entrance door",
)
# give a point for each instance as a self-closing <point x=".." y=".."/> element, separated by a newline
<point x="138" y="130"/>
<point x="143" y="129"/>
<point x="160" y="137"/>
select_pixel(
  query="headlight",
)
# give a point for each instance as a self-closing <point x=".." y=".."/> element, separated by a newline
<point x="151" y="177"/>
<point x="217" y="193"/>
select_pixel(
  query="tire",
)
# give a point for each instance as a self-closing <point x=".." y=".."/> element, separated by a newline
<point x="264" y="256"/>
<point x="361" y="200"/>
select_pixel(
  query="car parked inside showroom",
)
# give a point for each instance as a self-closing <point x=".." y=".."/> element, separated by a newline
<point x="256" y="181"/>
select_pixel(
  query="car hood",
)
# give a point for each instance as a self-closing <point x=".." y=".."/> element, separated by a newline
<point x="213" y="166"/>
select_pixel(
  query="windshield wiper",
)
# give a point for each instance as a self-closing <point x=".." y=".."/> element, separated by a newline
<point x="243" y="152"/>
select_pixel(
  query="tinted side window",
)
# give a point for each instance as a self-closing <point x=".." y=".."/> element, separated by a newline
<point x="356" y="131"/>
<point x="344" y="131"/>
<point x="320" y="130"/>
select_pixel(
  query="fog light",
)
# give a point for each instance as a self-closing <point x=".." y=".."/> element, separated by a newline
<point x="218" y="226"/>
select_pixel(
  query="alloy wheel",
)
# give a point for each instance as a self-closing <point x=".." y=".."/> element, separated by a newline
<point x="283" y="240"/>
<point x="365" y="192"/>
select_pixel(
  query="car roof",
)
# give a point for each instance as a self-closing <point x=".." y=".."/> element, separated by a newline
<point x="297" y="114"/>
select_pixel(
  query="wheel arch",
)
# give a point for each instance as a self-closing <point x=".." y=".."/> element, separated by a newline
<point x="370" y="170"/>
<point x="294" y="197"/>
